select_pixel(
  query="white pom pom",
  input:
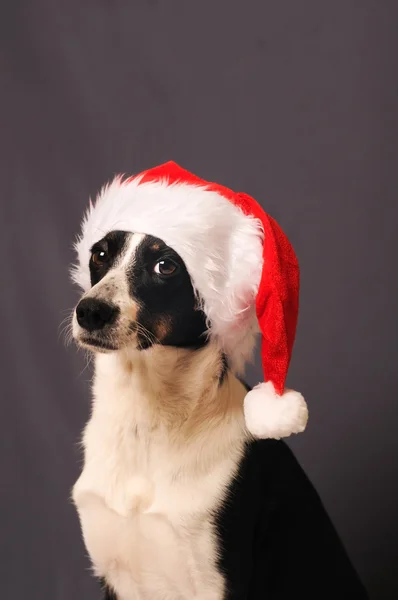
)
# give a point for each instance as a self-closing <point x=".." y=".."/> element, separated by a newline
<point x="268" y="415"/>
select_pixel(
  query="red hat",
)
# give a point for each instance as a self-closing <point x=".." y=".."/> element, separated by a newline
<point x="247" y="272"/>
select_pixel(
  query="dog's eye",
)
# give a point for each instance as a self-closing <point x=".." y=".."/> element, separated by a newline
<point x="99" y="257"/>
<point x="165" y="267"/>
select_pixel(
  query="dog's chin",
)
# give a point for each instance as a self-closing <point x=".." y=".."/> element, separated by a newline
<point x="96" y="345"/>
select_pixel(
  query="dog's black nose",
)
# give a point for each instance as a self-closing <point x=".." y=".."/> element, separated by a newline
<point x="94" y="314"/>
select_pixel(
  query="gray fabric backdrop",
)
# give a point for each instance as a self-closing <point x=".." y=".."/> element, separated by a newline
<point x="293" y="102"/>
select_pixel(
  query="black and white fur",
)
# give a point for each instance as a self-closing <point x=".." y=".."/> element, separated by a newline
<point x="176" y="500"/>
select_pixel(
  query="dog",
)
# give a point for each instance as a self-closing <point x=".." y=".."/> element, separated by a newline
<point x="177" y="500"/>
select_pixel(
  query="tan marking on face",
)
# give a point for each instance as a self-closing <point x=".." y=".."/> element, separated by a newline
<point x="163" y="328"/>
<point x="155" y="247"/>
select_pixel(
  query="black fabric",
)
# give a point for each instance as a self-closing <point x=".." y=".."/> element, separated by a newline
<point x="277" y="541"/>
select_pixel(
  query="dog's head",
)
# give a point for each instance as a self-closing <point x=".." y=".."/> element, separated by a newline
<point x="141" y="295"/>
<point x="164" y="258"/>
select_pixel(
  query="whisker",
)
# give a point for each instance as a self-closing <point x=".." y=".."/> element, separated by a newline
<point x="65" y="330"/>
<point x="146" y="332"/>
<point x="148" y="335"/>
<point x="89" y="359"/>
<point x="67" y="310"/>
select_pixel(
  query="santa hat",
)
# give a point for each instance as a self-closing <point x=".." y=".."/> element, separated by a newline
<point x="242" y="267"/>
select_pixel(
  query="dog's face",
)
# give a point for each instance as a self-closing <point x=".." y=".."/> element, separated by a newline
<point x="141" y="295"/>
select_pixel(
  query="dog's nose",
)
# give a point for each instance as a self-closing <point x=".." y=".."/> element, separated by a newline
<point x="93" y="314"/>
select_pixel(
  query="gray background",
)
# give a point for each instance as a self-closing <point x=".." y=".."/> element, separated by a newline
<point x="294" y="102"/>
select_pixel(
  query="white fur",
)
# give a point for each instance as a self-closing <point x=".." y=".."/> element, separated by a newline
<point x="158" y="461"/>
<point x="269" y="415"/>
<point x="221" y="247"/>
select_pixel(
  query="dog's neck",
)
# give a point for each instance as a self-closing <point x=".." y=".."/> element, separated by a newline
<point x="182" y="390"/>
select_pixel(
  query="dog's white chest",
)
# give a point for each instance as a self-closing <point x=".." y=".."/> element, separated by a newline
<point x="146" y="519"/>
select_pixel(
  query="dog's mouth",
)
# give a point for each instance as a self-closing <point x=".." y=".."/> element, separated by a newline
<point x="93" y="343"/>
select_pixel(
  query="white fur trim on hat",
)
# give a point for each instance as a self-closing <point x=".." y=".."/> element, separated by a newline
<point x="268" y="415"/>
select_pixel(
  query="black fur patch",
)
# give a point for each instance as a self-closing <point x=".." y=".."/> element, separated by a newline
<point x="112" y="245"/>
<point x="245" y="385"/>
<point x="224" y="369"/>
<point x="168" y="306"/>
<point x="275" y="538"/>
<point x="107" y="593"/>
